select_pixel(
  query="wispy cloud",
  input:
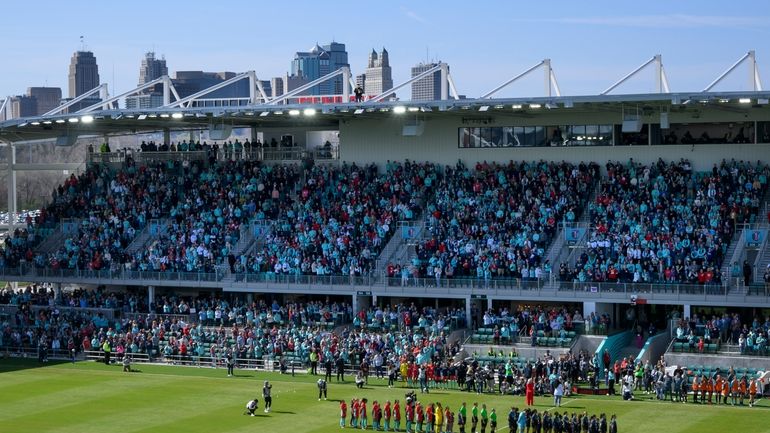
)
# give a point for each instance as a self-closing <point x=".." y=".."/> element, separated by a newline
<point x="662" y="21"/>
<point x="412" y="15"/>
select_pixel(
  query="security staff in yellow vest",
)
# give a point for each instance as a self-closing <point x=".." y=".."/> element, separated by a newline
<point x="107" y="352"/>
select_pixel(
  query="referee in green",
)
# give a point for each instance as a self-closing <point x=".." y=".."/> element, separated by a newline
<point x="492" y="421"/>
<point x="484" y="418"/>
<point x="462" y="417"/>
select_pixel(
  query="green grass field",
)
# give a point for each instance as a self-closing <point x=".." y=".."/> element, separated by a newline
<point x="92" y="397"/>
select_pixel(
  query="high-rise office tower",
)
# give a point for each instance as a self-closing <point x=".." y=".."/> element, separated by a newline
<point x="426" y="88"/>
<point x="84" y="73"/>
<point x="378" y="77"/>
<point x="320" y="61"/>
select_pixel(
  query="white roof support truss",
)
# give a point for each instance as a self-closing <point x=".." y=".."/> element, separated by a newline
<point x="100" y="89"/>
<point x="5" y="109"/>
<point x="447" y="83"/>
<point x="755" y="83"/>
<point x="254" y="86"/>
<point x="168" y="88"/>
<point x="661" y="79"/>
<point x="551" y="85"/>
<point x="347" y="81"/>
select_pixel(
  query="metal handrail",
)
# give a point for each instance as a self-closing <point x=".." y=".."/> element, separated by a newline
<point x="378" y="282"/>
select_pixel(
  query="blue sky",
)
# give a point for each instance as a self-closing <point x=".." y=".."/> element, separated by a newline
<point x="591" y="43"/>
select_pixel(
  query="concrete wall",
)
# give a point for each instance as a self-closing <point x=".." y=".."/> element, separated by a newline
<point x="381" y="139"/>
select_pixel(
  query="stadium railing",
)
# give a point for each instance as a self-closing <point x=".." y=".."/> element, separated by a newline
<point x="32" y="352"/>
<point x="636" y="292"/>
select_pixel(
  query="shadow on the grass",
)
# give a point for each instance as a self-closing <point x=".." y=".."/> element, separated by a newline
<point x="8" y="365"/>
<point x="283" y="411"/>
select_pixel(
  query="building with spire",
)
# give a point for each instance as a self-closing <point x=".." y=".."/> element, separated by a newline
<point x="377" y="78"/>
<point x="84" y="73"/>
<point x="83" y="76"/>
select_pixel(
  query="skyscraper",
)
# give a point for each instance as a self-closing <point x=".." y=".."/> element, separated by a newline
<point x="47" y="98"/>
<point x="320" y="61"/>
<point x="37" y="101"/>
<point x="152" y="68"/>
<point x="427" y="88"/>
<point x="338" y="57"/>
<point x="378" y="77"/>
<point x="23" y="106"/>
<point x="285" y="84"/>
<point x="84" y="73"/>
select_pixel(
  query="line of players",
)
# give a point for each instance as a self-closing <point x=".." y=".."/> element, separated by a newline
<point x="434" y="418"/>
<point x="725" y="391"/>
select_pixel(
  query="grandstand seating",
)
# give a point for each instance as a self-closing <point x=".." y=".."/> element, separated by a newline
<point x="341" y="219"/>
<point x="665" y="223"/>
<point x="491" y="221"/>
<point x="486" y="336"/>
<point x="497" y="220"/>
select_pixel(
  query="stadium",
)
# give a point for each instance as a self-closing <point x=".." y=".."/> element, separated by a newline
<point x="613" y="246"/>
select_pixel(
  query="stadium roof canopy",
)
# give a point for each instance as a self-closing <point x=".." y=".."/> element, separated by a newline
<point x="110" y="122"/>
<point x="294" y="109"/>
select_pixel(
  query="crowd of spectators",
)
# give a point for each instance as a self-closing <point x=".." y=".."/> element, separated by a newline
<point x="205" y="220"/>
<point x="726" y="328"/>
<point x="341" y="219"/>
<point x="496" y="220"/>
<point x="128" y="301"/>
<point x="657" y="223"/>
<point x="529" y="320"/>
<point x="205" y="206"/>
<point x="403" y="317"/>
<point x="666" y="223"/>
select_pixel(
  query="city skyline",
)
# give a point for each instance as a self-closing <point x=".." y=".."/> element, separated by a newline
<point x="591" y="45"/>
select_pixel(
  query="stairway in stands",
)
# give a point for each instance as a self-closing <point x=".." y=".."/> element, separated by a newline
<point x="52" y="241"/>
<point x="557" y="253"/>
<point x="398" y="249"/>
<point x="631" y="350"/>
<point x="763" y="257"/>
<point x="145" y="236"/>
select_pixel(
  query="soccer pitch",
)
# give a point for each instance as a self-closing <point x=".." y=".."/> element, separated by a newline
<point x="92" y="397"/>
